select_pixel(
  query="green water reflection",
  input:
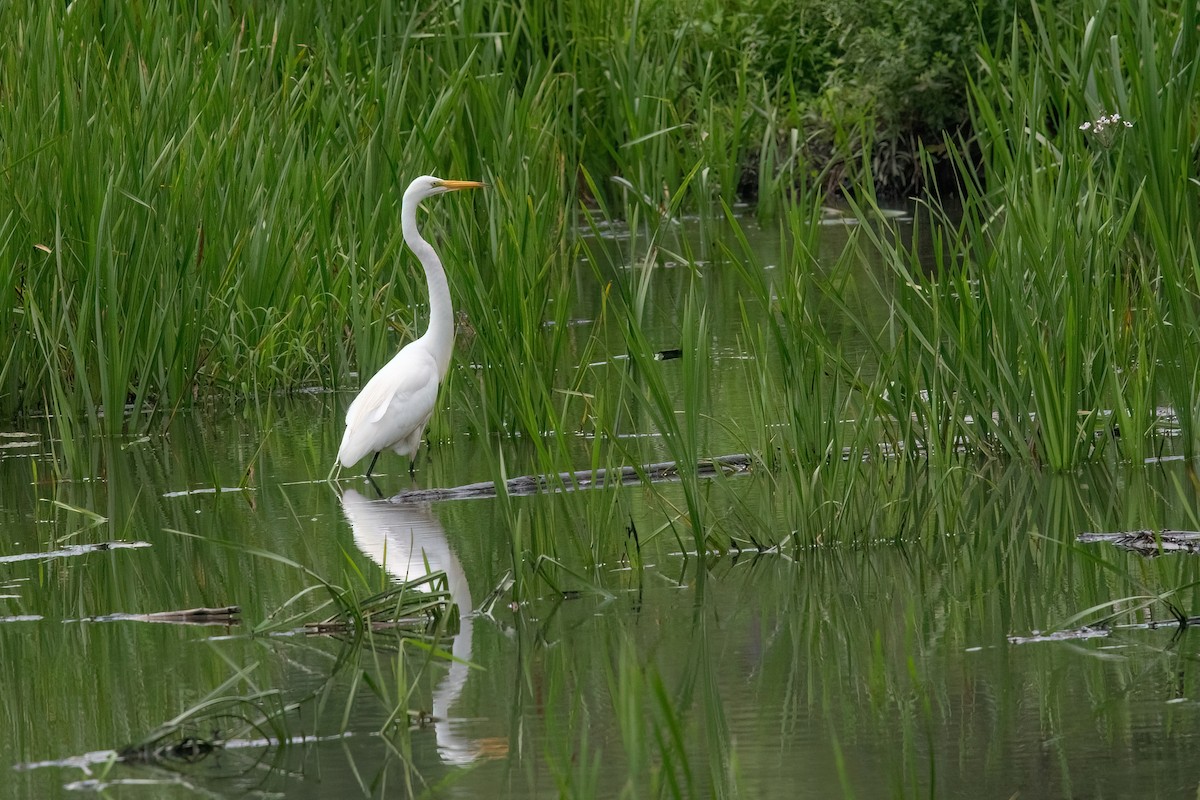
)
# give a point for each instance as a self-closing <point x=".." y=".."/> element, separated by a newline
<point x="874" y="660"/>
<point x="878" y="669"/>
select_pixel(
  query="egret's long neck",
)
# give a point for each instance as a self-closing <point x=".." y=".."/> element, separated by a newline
<point x="439" y="336"/>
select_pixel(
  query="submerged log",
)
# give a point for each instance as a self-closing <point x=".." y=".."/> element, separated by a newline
<point x="583" y="479"/>
<point x="341" y="627"/>
<point x="226" y="615"/>
<point x="1148" y="542"/>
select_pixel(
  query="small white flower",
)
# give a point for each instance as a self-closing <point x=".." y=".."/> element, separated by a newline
<point x="1099" y="128"/>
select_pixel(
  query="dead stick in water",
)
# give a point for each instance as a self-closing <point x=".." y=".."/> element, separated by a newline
<point x="583" y="479"/>
<point x="224" y="615"/>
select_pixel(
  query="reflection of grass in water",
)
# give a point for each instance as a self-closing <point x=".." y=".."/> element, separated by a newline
<point x="869" y="646"/>
<point x="949" y="562"/>
<point x="957" y="577"/>
<point x="382" y="626"/>
<point x="184" y="571"/>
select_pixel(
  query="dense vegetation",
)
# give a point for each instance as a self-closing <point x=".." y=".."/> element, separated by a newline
<point x="203" y="206"/>
<point x="199" y="209"/>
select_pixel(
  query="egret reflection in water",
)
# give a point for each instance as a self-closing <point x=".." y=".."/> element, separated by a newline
<point x="402" y="538"/>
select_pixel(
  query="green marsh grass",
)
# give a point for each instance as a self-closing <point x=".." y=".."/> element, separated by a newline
<point x="1057" y="313"/>
<point x="219" y="216"/>
<point x="204" y="210"/>
<point x="1166" y="177"/>
<point x="239" y="236"/>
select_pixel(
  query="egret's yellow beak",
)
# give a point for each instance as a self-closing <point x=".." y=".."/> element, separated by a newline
<point x="456" y="185"/>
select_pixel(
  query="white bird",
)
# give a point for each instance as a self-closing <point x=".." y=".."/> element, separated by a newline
<point x="394" y="407"/>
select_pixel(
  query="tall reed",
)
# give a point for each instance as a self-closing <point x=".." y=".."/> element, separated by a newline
<point x="206" y="204"/>
<point x="1059" y="308"/>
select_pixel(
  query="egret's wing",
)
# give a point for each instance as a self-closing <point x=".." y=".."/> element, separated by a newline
<point x="395" y="403"/>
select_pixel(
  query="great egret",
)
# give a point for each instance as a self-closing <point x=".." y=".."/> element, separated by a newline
<point x="393" y="408"/>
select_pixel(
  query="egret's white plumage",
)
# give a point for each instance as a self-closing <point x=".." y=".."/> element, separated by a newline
<point x="392" y="410"/>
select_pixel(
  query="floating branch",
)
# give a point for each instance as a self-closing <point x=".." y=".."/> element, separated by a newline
<point x="1148" y="543"/>
<point x="1099" y="631"/>
<point x="583" y="479"/>
<point x="73" y="550"/>
<point x="1076" y="634"/>
<point x="226" y="615"/>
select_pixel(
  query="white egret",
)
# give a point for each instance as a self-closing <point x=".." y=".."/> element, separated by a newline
<point x="393" y="408"/>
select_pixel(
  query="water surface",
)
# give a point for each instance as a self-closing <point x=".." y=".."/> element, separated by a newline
<point x="904" y="660"/>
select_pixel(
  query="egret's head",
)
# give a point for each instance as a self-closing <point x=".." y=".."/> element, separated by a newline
<point x="428" y="186"/>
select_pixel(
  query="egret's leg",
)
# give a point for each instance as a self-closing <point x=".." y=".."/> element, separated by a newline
<point x="412" y="464"/>
<point x="374" y="458"/>
<point x="335" y="469"/>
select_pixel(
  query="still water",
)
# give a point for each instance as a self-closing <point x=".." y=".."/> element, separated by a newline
<point x="941" y="654"/>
